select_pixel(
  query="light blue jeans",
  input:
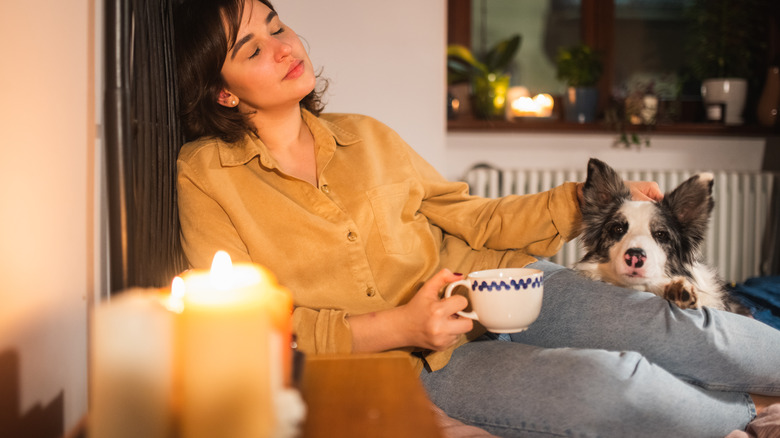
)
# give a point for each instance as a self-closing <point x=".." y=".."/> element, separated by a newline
<point x="603" y="361"/>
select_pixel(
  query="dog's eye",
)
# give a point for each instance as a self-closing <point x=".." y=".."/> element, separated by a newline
<point x="661" y="236"/>
<point x="617" y="229"/>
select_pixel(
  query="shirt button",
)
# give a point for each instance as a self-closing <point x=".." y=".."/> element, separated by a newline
<point x="370" y="291"/>
<point x="352" y="236"/>
<point x="325" y="189"/>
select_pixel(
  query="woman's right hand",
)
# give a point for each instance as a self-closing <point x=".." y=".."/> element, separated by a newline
<point x="432" y="322"/>
<point x="426" y="321"/>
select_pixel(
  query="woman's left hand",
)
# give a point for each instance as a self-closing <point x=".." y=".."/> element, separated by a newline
<point x="645" y="191"/>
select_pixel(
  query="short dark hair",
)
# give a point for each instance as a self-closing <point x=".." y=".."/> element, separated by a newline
<point x="201" y="46"/>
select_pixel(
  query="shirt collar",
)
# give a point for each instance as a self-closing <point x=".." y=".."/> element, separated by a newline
<point x="244" y="150"/>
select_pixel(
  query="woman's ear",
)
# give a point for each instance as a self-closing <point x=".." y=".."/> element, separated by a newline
<point x="228" y="99"/>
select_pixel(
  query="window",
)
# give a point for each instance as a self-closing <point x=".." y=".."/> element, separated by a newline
<point x="643" y="42"/>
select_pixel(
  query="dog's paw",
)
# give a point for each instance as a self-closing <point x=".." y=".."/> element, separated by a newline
<point x="682" y="292"/>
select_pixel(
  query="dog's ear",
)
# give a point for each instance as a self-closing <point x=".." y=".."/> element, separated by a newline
<point x="603" y="185"/>
<point x="691" y="202"/>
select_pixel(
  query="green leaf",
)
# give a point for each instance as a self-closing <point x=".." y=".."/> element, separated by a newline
<point x="462" y="53"/>
<point x="459" y="71"/>
<point x="579" y="66"/>
<point x="500" y="56"/>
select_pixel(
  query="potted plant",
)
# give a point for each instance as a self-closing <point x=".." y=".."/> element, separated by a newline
<point x="727" y="38"/>
<point x="580" y="67"/>
<point x="488" y="75"/>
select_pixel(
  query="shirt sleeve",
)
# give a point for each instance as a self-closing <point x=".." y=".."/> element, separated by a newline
<point x="322" y="331"/>
<point x="538" y="224"/>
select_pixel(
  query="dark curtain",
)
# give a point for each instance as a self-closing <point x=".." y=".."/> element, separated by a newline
<point x="142" y="139"/>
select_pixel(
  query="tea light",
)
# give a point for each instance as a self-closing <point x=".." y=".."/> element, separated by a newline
<point x="131" y="367"/>
<point x="234" y="342"/>
<point x="521" y="104"/>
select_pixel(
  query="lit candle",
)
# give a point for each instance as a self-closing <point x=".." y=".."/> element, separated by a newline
<point x="523" y="105"/>
<point x="131" y="367"/>
<point x="234" y="350"/>
<point x="512" y="96"/>
<point x="544" y="103"/>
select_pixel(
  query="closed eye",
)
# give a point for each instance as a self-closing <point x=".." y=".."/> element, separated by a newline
<point x="257" y="50"/>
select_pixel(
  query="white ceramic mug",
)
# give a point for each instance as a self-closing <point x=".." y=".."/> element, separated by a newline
<point x="503" y="300"/>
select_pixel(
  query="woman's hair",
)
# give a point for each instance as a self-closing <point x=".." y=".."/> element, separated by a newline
<point x="201" y="45"/>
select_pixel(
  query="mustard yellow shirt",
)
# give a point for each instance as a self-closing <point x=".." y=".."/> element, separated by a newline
<point x="380" y="222"/>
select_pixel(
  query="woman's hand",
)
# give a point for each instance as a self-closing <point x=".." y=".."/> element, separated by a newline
<point x="431" y="322"/>
<point x="426" y="321"/>
<point x="640" y="191"/>
<point x="645" y="191"/>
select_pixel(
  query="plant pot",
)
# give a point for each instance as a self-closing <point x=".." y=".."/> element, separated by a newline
<point x="489" y="94"/>
<point x="580" y="104"/>
<point x="724" y="99"/>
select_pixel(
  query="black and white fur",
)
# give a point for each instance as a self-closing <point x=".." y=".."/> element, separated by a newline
<point x="651" y="246"/>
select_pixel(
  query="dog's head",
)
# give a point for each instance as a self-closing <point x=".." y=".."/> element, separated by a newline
<point x="636" y="243"/>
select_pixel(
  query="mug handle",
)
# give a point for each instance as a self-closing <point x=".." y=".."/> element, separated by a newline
<point x="448" y="293"/>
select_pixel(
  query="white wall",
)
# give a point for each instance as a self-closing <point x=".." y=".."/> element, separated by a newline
<point x="571" y="151"/>
<point x="47" y="195"/>
<point x="384" y="59"/>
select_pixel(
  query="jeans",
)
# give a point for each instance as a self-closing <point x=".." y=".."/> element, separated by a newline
<point x="603" y="361"/>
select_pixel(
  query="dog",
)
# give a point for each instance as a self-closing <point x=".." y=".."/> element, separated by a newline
<point x="651" y="246"/>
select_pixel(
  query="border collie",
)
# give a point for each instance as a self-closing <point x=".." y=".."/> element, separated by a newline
<point x="651" y="246"/>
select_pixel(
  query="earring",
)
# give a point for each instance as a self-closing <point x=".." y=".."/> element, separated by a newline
<point x="234" y="102"/>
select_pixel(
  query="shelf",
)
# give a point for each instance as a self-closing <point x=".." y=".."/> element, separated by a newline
<point x="530" y="125"/>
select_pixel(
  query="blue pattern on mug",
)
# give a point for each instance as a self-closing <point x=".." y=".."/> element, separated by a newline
<point x="533" y="283"/>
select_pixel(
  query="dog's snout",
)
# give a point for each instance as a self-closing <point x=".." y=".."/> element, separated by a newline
<point x="635" y="257"/>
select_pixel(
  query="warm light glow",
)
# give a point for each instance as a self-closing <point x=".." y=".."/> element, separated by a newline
<point x="225" y="284"/>
<point x="524" y="105"/>
<point x="177" y="287"/>
<point x="175" y="302"/>
<point x="545" y="103"/>
<point x="221" y="271"/>
<point x="540" y="105"/>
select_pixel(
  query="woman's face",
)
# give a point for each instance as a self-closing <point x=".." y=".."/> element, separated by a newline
<point x="267" y="68"/>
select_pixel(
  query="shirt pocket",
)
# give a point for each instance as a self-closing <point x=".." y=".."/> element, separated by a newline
<point x="395" y="209"/>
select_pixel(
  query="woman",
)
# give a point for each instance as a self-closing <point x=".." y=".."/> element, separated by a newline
<point x="366" y="234"/>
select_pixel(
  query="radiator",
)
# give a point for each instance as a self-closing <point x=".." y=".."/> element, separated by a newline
<point x="738" y="226"/>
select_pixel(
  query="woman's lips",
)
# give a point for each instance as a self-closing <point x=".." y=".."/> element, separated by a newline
<point x="296" y="70"/>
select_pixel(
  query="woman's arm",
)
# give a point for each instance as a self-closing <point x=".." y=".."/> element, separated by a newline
<point x="426" y="321"/>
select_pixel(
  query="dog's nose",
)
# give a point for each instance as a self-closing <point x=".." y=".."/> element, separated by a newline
<point x="635" y="257"/>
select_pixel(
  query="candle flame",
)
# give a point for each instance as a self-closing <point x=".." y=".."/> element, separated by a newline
<point x="177" y="288"/>
<point x="175" y="302"/>
<point x="221" y="275"/>
<point x="539" y="106"/>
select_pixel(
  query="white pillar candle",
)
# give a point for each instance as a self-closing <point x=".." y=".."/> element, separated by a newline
<point x="229" y="357"/>
<point x="131" y="367"/>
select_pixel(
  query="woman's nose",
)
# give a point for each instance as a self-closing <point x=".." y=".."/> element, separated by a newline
<point x="282" y="51"/>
